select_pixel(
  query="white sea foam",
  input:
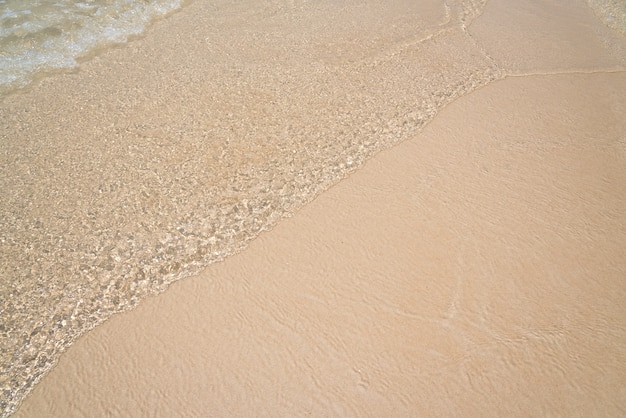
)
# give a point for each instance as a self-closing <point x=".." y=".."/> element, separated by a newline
<point x="42" y="35"/>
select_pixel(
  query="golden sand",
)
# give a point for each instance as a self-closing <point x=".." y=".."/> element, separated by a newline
<point x="474" y="269"/>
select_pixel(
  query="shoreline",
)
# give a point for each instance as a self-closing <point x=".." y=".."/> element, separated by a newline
<point x="425" y="283"/>
<point x="159" y="158"/>
<point x="183" y="158"/>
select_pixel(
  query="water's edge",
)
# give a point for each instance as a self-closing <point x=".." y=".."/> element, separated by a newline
<point x="67" y="33"/>
<point x="128" y="220"/>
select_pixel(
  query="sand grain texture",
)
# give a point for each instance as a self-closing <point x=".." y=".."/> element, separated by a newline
<point x="476" y="269"/>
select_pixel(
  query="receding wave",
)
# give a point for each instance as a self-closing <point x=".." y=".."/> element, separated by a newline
<point x="43" y="35"/>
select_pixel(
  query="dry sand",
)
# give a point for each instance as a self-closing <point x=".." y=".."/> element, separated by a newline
<point x="474" y="270"/>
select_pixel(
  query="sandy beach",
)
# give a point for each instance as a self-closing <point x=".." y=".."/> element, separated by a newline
<point x="471" y="266"/>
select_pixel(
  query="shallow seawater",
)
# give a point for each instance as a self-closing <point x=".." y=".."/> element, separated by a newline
<point x="611" y="12"/>
<point x="39" y="36"/>
<point x="107" y="197"/>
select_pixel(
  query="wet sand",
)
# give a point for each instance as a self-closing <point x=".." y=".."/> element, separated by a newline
<point x="475" y="269"/>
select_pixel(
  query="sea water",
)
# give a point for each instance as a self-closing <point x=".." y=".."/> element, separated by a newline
<point x="39" y="36"/>
<point x="131" y="199"/>
<point x="611" y="12"/>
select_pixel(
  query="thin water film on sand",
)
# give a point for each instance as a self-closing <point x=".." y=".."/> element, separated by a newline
<point x="108" y="196"/>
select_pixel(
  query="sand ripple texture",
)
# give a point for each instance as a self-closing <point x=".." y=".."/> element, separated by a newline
<point x="170" y="153"/>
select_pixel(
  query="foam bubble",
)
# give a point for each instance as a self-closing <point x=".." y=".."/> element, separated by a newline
<point x="43" y="35"/>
